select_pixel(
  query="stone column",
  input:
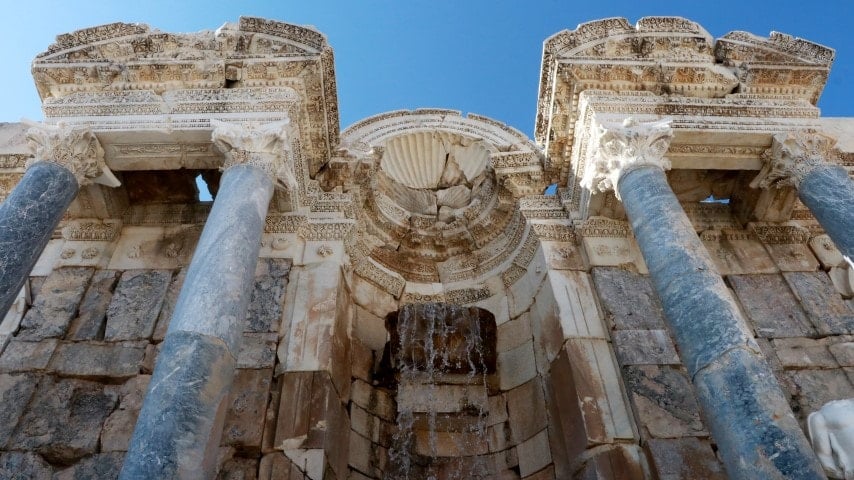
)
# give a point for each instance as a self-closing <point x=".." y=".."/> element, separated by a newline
<point x="65" y="159"/>
<point x="178" y="431"/>
<point x="747" y="413"/>
<point x="799" y="160"/>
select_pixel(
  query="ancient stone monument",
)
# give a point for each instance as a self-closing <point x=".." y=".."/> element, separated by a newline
<point x="403" y="299"/>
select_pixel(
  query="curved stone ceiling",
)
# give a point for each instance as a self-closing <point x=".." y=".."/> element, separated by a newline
<point x="435" y="193"/>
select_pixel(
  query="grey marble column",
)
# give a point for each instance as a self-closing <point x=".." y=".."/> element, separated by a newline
<point x="747" y="414"/>
<point x="178" y="431"/>
<point x="64" y="159"/>
<point x="799" y="159"/>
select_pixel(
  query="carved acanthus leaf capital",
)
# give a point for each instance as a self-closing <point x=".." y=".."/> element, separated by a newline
<point x="792" y="156"/>
<point x="263" y="145"/>
<point x="620" y="148"/>
<point x="74" y="148"/>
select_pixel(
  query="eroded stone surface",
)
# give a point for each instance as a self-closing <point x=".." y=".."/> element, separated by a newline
<point x="664" y="401"/>
<point x="687" y="457"/>
<point x="57" y="405"/>
<point x="56" y="304"/>
<point x="825" y="307"/>
<point x="136" y="304"/>
<point x="96" y="360"/>
<point x="89" y="323"/>
<point x="628" y="298"/>
<point x="770" y="305"/>
<point x="265" y="308"/>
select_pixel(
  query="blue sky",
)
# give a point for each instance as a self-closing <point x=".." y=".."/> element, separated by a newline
<point x="470" y="55"/>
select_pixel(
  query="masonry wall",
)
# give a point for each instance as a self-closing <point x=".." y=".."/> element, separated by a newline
<point x="74" y="374"/>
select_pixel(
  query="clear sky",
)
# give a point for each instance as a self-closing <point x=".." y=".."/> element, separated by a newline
<point x="479" y="56"/>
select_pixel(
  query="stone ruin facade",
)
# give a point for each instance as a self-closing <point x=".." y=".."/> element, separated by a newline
<point x="401" y="299"/>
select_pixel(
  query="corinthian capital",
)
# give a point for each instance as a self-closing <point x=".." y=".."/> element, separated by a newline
<point x="792" y="156"/>
<point x="74" y="148"/>
<point x="264" y="145"/>
<point x="620" y="148"/>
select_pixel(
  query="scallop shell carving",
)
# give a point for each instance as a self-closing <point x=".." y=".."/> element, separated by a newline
<point x="430" y="159"/>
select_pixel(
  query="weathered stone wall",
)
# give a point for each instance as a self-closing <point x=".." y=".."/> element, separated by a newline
<point x="74" y="373"/>
<point x="801" y="322"/>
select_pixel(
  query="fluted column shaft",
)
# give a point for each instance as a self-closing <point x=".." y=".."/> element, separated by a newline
<point x="179" y="427"/>
<point x="747" y="413"/>
<point x="65" y="159"/>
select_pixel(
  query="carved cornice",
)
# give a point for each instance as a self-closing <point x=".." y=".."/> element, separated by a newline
<point x="266" y="146"/>
<point x="621" y="148"/>
<point x="792" y="156"/>
<point x="75" y="149"/>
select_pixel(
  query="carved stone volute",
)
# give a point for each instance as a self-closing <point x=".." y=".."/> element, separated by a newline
<point x="792" y="156"/>
<point x="266" y="146"/>
<point x="74" y="148"/>
<point x="621" y="148"/>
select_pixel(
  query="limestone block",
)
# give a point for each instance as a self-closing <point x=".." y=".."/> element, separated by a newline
<point x="618" y="462"/>
<point x="825" y="307"/>
<point x="56" y="304"/>
<point x="534" y="454"/>
<point x="258" y="350"/>
<point x="238" y="468"/>
<point x="367" y="425"/>
<point x="276" y="466"/>
<point x="15" y="393"/>
<point x="843" y="353"/>
<point x="361" y="360"/>
<point x="737" y="254"/>
<point x="15" y="465"/>
<point x="313" y="324"/>
<point x="612" y="252"/>
<point x="522" y="292"/>
<point x="99" y="360"/>
<point x="310" y="418"/>
<point x="118" y="428"/>
<point x="100" y="465"/>
<point x="843" y="280"/>
<point x="93" y="308"/>
<point x="526" y="407"/>
<point x="770" y="306"/>
<point x="584" y="389"/>
<point x="499" y="437"/>
<point x="826" y="252"/>
<point x="369" y="329"/>
<point x="312" y="461"/>
<point x="22" y="356"/>
<point x="514" y="333"/>
<point x="449" y="444"/>
<point x="377" y="402"/>
<point x="168" y="307"/>
<point x="817" y="387"/>
<point x="563" y="255"/>
<point x="664" y="401"/>
<point x="796" y="257"/>
<point x="576" y="305"/>
<point x="644" y="347"/>
<point x="516" y="366"/>
<point x="497" y="410"/>
<point x="628" y="299"/>
<point x="50" y="255"/>
<point x="497" y="305"/>
<point x="266" y="305"/>
<point x="141" y="247"/>
<point x="64" y="420"/>
<point x="366" y="457"/>
<point x="441" y="398"/>
<point x="689" y="457"/>
<point x="803" y="353"/>
<point x="136" y="303"/>
<point x="371" y="297"/>
<point x="547" y="473"/>
<point x="247" y="404"/>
